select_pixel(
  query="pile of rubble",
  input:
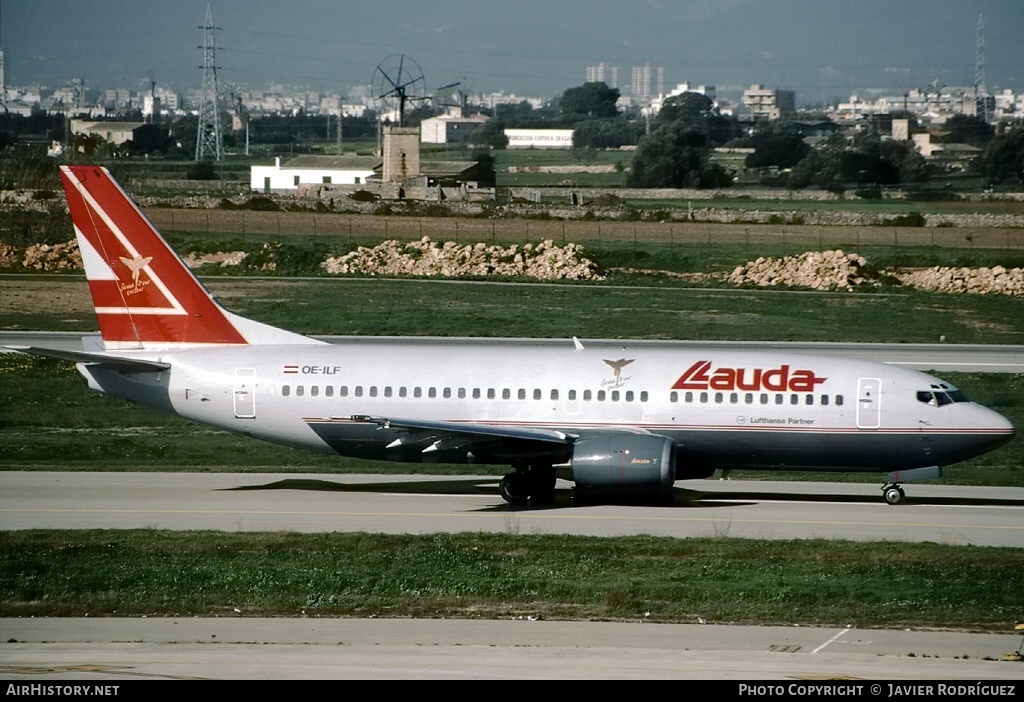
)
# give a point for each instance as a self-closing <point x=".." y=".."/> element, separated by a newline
<point x="818" y="270"/>
<point x="42" y="257"/>
<point x="543" y="261"/>
<point x="985" y="281"/>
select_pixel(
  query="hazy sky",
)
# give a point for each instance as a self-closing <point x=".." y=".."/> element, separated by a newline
<point x="823" y="49"/>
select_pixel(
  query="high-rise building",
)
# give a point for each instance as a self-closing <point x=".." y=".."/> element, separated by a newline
<point x="603" y="73"/>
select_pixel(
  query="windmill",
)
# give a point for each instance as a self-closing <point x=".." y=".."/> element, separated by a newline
<point x="398" y="80"/>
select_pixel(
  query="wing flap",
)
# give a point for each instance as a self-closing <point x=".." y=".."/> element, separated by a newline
<point x="475" y="429"/>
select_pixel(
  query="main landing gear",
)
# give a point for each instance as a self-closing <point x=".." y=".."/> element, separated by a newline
<point x="893" y="494"/>
<point x="529" y="483"/>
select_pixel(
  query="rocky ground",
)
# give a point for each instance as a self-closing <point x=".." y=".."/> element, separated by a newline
<point x="815" y="270"/>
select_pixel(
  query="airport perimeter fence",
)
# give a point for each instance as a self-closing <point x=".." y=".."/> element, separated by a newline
<point x="346" y="231"/>
<point x="369" y="230"/>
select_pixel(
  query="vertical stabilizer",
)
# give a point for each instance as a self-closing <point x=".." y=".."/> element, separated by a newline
<point x="145" y="296"/>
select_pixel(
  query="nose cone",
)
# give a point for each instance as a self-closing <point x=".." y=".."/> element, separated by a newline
<point x="993" y="429"/>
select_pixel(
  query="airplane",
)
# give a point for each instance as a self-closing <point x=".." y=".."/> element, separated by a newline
<point x="616" y="420"/>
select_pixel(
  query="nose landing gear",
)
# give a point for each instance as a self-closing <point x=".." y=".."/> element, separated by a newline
<point x="893" y="494"/>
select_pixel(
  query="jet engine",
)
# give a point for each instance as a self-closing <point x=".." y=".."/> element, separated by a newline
<point x="630" y="462"/>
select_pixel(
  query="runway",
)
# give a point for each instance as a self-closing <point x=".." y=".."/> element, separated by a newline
<point x="237" y="647"/>
<point x="390" y="503"/>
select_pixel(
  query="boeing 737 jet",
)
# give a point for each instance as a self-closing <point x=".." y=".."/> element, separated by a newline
<point x="611" y="419"/>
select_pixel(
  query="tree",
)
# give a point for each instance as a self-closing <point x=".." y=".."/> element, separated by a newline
<point x="1003" y="159"/>
<point x="605" y="133"/>
<point x="780" y="151"/>
<point x="692" y="109"/>
<point x="491" y="133"/>
<point x="673" y="156"/>
<point x="589" y="101"/>
<point x="968" y="129"/>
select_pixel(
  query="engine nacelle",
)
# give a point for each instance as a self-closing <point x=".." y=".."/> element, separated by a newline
<point x="622" y="460"/>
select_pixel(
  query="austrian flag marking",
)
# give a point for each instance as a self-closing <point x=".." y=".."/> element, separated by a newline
<point x="291" y="370"/>
<point x="703" y="376"/>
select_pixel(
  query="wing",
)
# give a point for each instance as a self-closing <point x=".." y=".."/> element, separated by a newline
<point x="414" y="437"/>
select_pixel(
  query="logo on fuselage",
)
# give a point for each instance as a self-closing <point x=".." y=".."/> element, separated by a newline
<point x="617" y="367"/>
<point x="702" y="376"/>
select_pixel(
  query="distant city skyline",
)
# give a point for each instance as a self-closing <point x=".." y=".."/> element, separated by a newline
<point x="825" y="51"/>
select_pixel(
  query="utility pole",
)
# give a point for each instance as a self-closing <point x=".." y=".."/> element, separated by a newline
<point x="980" y="91"/>
<point x="209" y="139"/>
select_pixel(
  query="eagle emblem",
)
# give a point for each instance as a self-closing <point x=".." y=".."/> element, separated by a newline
<point x="135" y="265"/>
<point x="617" y="366"/>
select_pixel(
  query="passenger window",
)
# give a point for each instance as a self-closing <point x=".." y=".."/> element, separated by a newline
<point x="329" y="391"/>
<point x="629" y="396"/>
<point x="554" y="394"/>
<point x="839" y="400"/>
<point x="344" y="391"/>
<point x="431" y="393"/>
<point x="299" y="391"/>
<point x="824" y="400"/>
<point x="462" y="393"/>
<point x="809" y="400"/>
<point x="615" y="395"/>
<point x="572" y="394"/>
<point x="315" y="390"/>
<point x="586" y="396"/>
<point x="387" y="391"/>
<point x="521" y="394"/>
<point x="537" y="394"/>
<point x="417" y="391"/>
<point x="373" y="391"/>
<point x="286" y="390"/>
<point x="476" y="393"/>
<point x="446" y="393"/>
<point x="643" y="396"/>
<point x="718" y="398"/>
<point x="359" y="391"/>
<point x="674" y="396"/>
<point x="490" y="393"/>
<point x="506" y="394"/>
<point x="704" y="397"/>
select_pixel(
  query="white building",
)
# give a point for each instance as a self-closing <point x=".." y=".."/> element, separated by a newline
<point x="313" y="170"/>
<point x="449" y="129"/>
<point x="539" y="138"/>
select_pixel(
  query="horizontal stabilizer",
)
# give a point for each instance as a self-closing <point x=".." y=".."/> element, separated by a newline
<point x="131" y="365"/>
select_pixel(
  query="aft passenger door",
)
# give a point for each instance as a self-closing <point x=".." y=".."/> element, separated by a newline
<point x="245" y="393"/>
<point x="869" y="403"/>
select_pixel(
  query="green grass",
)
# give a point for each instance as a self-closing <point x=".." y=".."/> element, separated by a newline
<point x="657" y="579"/>
<point x="627" y="306"/>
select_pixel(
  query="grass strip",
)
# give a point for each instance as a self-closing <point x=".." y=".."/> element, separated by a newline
<point x="481" y="575"/>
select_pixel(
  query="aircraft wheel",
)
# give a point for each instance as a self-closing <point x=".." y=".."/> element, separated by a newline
<point x="513" y="488"/>
<point x="894" y="494"/>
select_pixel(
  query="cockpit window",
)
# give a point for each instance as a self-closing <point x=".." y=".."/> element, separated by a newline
<point x="941" y="396"/>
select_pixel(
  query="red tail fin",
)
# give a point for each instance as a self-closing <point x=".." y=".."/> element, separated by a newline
<point x="145" y="296"/>
<point x="143" y="293"/>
